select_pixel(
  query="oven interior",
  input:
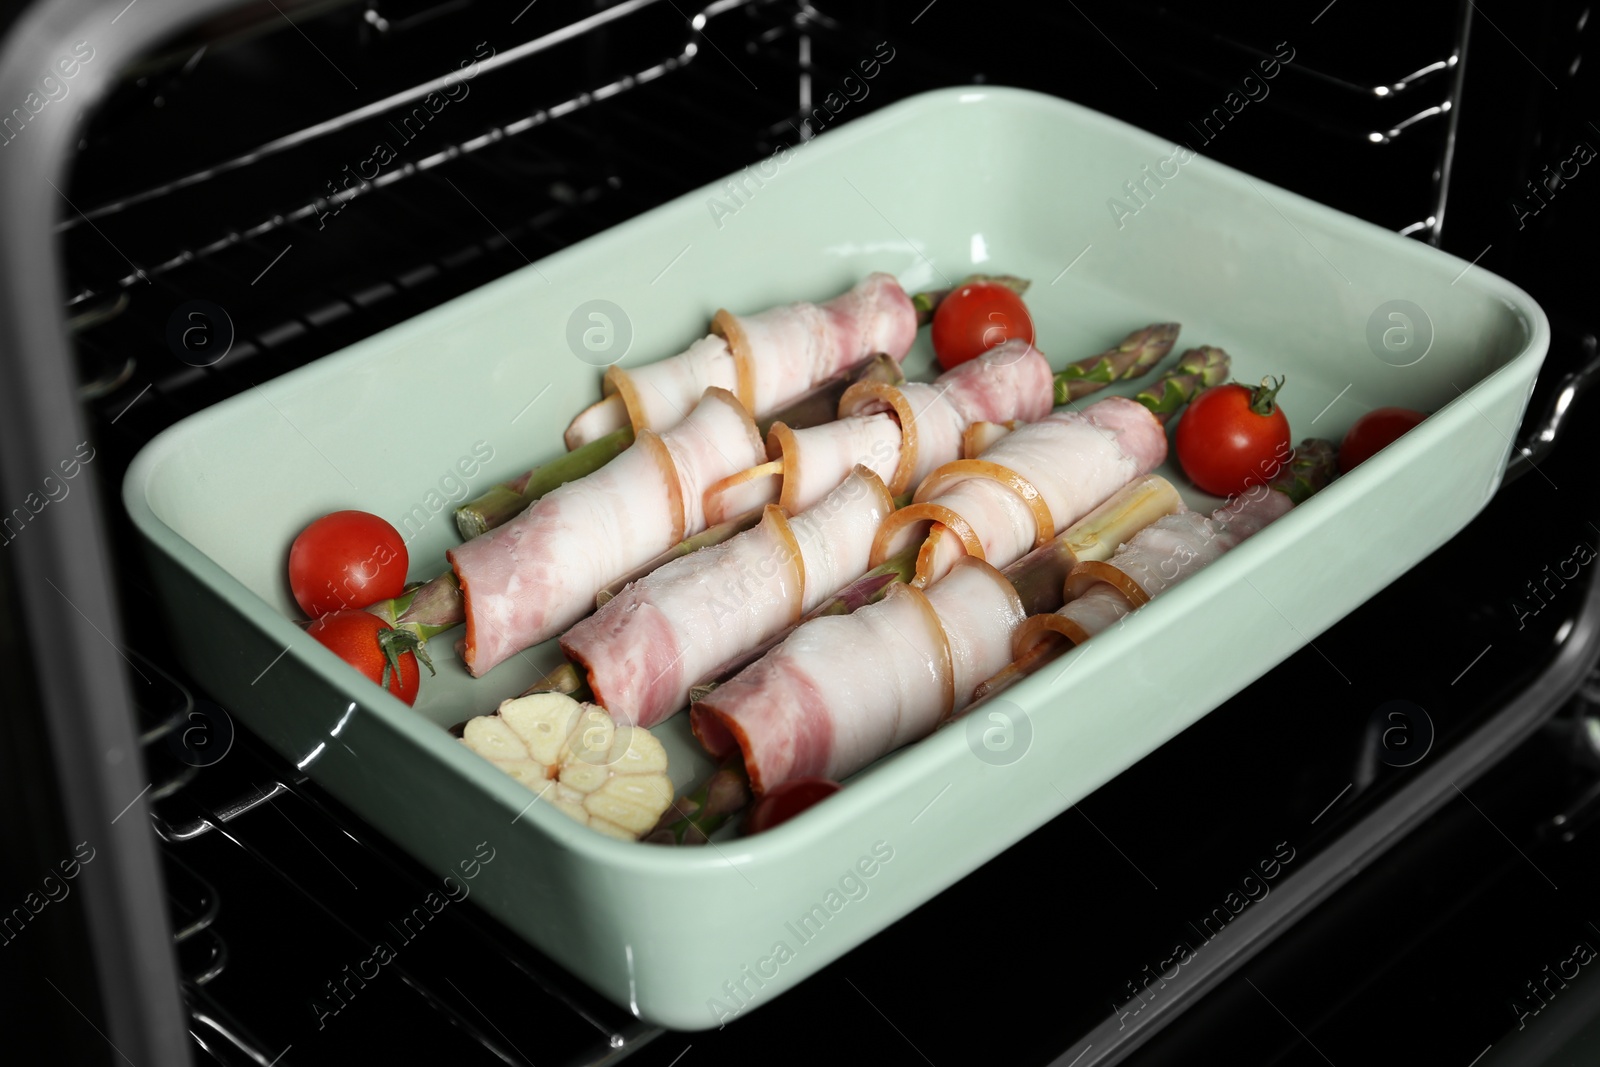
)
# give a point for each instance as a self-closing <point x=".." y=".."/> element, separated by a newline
<point x="234" y="166"/>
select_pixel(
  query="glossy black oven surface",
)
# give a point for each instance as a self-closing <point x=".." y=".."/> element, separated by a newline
<point x="1430" y="890"/>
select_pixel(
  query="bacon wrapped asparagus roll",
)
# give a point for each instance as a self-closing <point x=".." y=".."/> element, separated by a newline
<point x="1010" y="381"/>
<point x="501" y="503"/>
<point x="886" y="427"/>
<point x="645" y="647"/>
<point x="904" y="431"/>
<point x="1099" y="593"/>
<point x="843" y="690"/>
<point x="528" y="580"/>
<point x="766" y="360"/>
<point x="1042" y="477"/>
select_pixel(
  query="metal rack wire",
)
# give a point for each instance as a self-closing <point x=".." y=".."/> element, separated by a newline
<point x="212" y="785"/>
<point x="213" y="810"/>
<point x="572" y="166"/>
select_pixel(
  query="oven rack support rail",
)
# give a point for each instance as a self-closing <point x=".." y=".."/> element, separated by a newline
<point x="64" y="574"/>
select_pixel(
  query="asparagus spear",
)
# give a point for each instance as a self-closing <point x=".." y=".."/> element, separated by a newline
<point x="1038" y="578"/>
<point x="697" y="814"/>
<point x="822" y="403"/>
<point x="928" y="301"/>
<point x="1197" y="369"/>
<point x="436" y="606"/>
<point x="416" y="615"/>
<point x="504" y="502"/>
<point x="565" y="679"/>
<point x="429" y="609"/>
<point x="870" y="587"/>
<point x="1314" y="464"/>
<point x="1312" y="467"/>
<point x="1135" y="355"/>
<point x="1132" y="357"/>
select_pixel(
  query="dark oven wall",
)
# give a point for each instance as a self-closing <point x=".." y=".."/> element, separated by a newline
<point x="269" y="187"/>
<point x="283" y="169"/>
<point x="287" y="170"/>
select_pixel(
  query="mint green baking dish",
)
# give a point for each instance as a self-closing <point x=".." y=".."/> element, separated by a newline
<point x="1116" y="229"/>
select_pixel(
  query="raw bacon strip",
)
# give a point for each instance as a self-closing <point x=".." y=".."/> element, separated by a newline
<point x="1037" y="577"/>
<point x="980" y="611"/>
<point x="1176" y="547"/>
<point x="1043" y="475"/>
<point x="935" y="423"/>
<point x="846" y="440"/>
<point x="742" y="493"/>
<point x="981" y="435"/>
<point x="603" y="417"/>
<point x="637" y="649"/>
<point x="1010" y="381"/>
<point x="843" y="690"/>
<point x="816" y="459"/>
<point x="1185" y="539"/>
<point x="528" y="580"/>
<point x="1027" y="487"/>
<point x="1164" y="553"/>
<point x="782" y="733"/>
<point x="767" y="360"/>
<point x="1168" y="551"/>
<point x="785" y="351"/>
<point x="900" y="431"/>
<point x="835" y="535"/>
<point x="658" y="395"/>
<point x="665" y="632"/>
<point x="1096" y="611"/>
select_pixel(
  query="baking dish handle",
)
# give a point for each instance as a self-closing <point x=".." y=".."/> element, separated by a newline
<point x="1539" y="435"/>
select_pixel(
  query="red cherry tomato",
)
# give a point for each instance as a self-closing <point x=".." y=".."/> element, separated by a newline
<point x="348" y="559"/>
<point x="1375" y="430"/>
<point x="1233" y="436"/>
<point x="975" y="318"/>
<point x="354" y="637"/>
<point x="786" y="800"/>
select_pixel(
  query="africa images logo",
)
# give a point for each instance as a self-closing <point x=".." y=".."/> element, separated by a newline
<point x="52" y="87"/>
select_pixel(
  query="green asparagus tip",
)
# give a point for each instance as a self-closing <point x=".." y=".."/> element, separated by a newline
<point x="1208" y="362"/>
<point x="927" y="302"/>
<point x="1312" y="467"/>
<point x="1197" y="369"/>
<point x="697" y="814"/>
